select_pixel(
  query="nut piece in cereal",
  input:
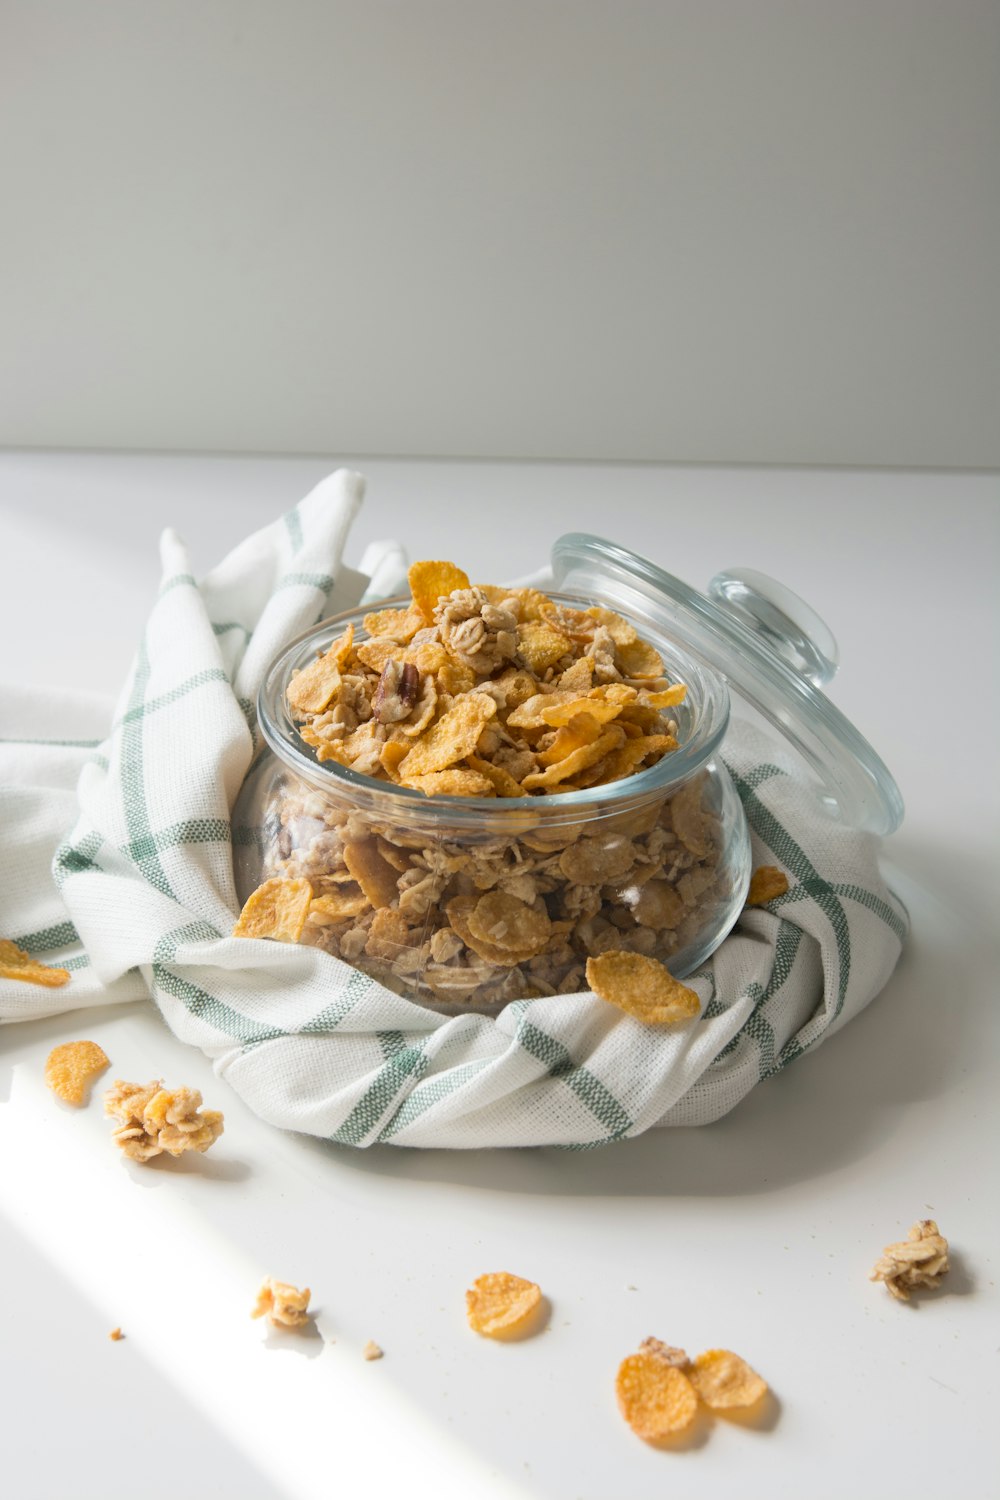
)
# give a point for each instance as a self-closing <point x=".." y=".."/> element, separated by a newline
<point x="499" y="1305"/>
<point x="921" y="1260"/>
<point x="655" y="1395"/>
<point x="724" y="1381"/>
<point x="766" y="883"/>
<point x="283" y="1304"/>
<point x="16" y="964"/>
<point x="153" y="1119"/>
<point x="71" y="1068"/>
<point x="277" y="909"/>
<point x="642" y="987"/>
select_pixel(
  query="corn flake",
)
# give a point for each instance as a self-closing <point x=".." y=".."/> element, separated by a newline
<point x="577" y="760"/>
<point x="539" y="646"/>
<point x="431" y="581"/>
<point x="723" y="1380"/>
<point x="655" y="1397"/>
<point x="502" y="781"/>
<point x="70" y="1069"/>
<point x="16" y="964"/>
<point x="506" y="923"/>
<point x="642" y="987"/>
<point x="400" y="625"/>
<point x="311" y="689"/>
<point x="766" y="884"/>
<point x="582" y="729"/>
<point x="455" y="782"/>
<point x="499" y="1304"/>
<point x="348" y="900"/>
<point x="452" y="738"/>
<point x="277" y="909"/>
<point x="374" y="875"/>
<point x="285" y="1305"/>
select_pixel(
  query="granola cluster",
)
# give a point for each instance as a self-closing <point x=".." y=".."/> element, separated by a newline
<point x="153" y="1119"/>
<point x="921" y="1260"/>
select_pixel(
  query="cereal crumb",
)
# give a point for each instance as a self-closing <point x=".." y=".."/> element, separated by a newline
<point x="766" y="884"/>
<point x="372" y="1350"/>
<point x="154" y="1119"/>
<point x="116" y="1335"/>
<point x="921" y="1260"/>
<point x="284" y="1304"/>
<point x="16" y="964"/>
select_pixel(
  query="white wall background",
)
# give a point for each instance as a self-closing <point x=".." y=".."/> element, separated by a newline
<point x="724" y="230"/>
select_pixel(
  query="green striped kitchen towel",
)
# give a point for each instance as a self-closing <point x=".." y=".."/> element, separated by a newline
<point x="115" y="862"/>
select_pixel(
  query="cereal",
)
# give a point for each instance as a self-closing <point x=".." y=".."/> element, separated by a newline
<point x="766" y="883"/>
<point x="539" y="646"/>
<point x="16" y="964"/>
<point x="116" y="1335"/>
<point x="310" y="690"/>
<point x="374" y="875"/>
<point x="431" y="581"/>
<point x="506" y="923"/>
<point x="642" y="987"/>
<point x="655" y="1397"/>
<point x="398" y="625"/>
<point x="277" y="909"/>
<point x="576" y="760"/>
<point x="153" y="1119"/>
<point x="284" y="1305"/>
<point x="348" y="900"/>
<point x="455" y="782"/>
<point x="452" y="738"/>
<point x="724" y="1381"/>
<point x="500" y="1304"/>
<point x="921" y="1260"/>
<point x="582" y="729"/>
<point x="371" y="1350"/>
<point x="71" y="1068"/>
<point x="502" y="782"/>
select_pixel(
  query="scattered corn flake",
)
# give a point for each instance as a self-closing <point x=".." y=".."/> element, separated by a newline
<point x="16" y="964"/>
<point x="452" y="738"/>
<point x="277" y="909"/>
<point x="284" y="1305"/>
<point x="539" y="646"/>
<point x="374" y="875"/>
<point x="116" y="1335"/>
<point x="153" y="1119"/>
<point x="431" y="581"/>
<point x="71" y="1068"/>
<point x="766" y="883"/>
<point x="655" y="1397"/>
<point x="371" y="1350"/>
<point x="642" y="987"/>
<point x="498" y="1303"/>
<point x="921" y="1260"/>
<point x="723" y="1380"/>
<point x="455" y="782"/>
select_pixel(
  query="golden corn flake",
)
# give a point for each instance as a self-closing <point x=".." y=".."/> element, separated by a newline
<point x="723" y="1380"/>
<point x="70" y="1069"/>
<point x="311" y="690"/>
<point x="399" y="625"/>
<point x="655" y="1397"/>
<point x="277" y="909"/>
<point x="452" y="738"/>
<point x="499" y="1304"/>
<point x="691" y="825"/>
<point x="502" y="781"/>
<point x="766" y="883"/>
<point x="582" y="729"/>
<point x="374" y="875"/>
<point x="620" y="631"/>
<point x="667" y="698"/>
<point x="391" y="754"/>
<point x="506" y="923"/>
<point x="455" y="782"/>
<point x="348" y="900"/>
<point x="431" y="581"/>
<point x="539" y="646"/>
<point x="389" y="933"/>
<point x="458" y="912"/>
<point x="577" y="760"/>
<point x="374" y="654"/>
<point x="642" y="987"/>
<point x="16" y="964"/>
<point x="639" y="660"/>
<point x="627" y="759"/>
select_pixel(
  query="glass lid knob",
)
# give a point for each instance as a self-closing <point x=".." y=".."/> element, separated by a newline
<point x="781" y="621"/>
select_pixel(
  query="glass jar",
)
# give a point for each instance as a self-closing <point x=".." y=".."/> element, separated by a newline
<point x="463" y="903"/>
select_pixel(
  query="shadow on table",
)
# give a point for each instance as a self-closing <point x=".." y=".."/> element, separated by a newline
<point x="827" y="1109"/>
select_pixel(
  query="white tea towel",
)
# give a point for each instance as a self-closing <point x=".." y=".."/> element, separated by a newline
<point x="128" y="882"/>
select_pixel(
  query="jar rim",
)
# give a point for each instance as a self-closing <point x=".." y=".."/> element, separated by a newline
<point x="708" y="696"/>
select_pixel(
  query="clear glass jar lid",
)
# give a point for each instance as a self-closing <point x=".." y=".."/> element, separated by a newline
<point x="771" y="648"/>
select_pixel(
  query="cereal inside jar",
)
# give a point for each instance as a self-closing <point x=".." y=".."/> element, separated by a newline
<point x="478" y="788"/>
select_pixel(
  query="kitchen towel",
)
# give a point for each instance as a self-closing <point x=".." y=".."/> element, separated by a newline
<point x="116" y="863"/>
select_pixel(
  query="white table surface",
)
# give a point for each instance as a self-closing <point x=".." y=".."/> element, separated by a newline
<point x="756" y="1233"/>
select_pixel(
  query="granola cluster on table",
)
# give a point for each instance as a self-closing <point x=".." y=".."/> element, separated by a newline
<point x="475" y="691"/>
